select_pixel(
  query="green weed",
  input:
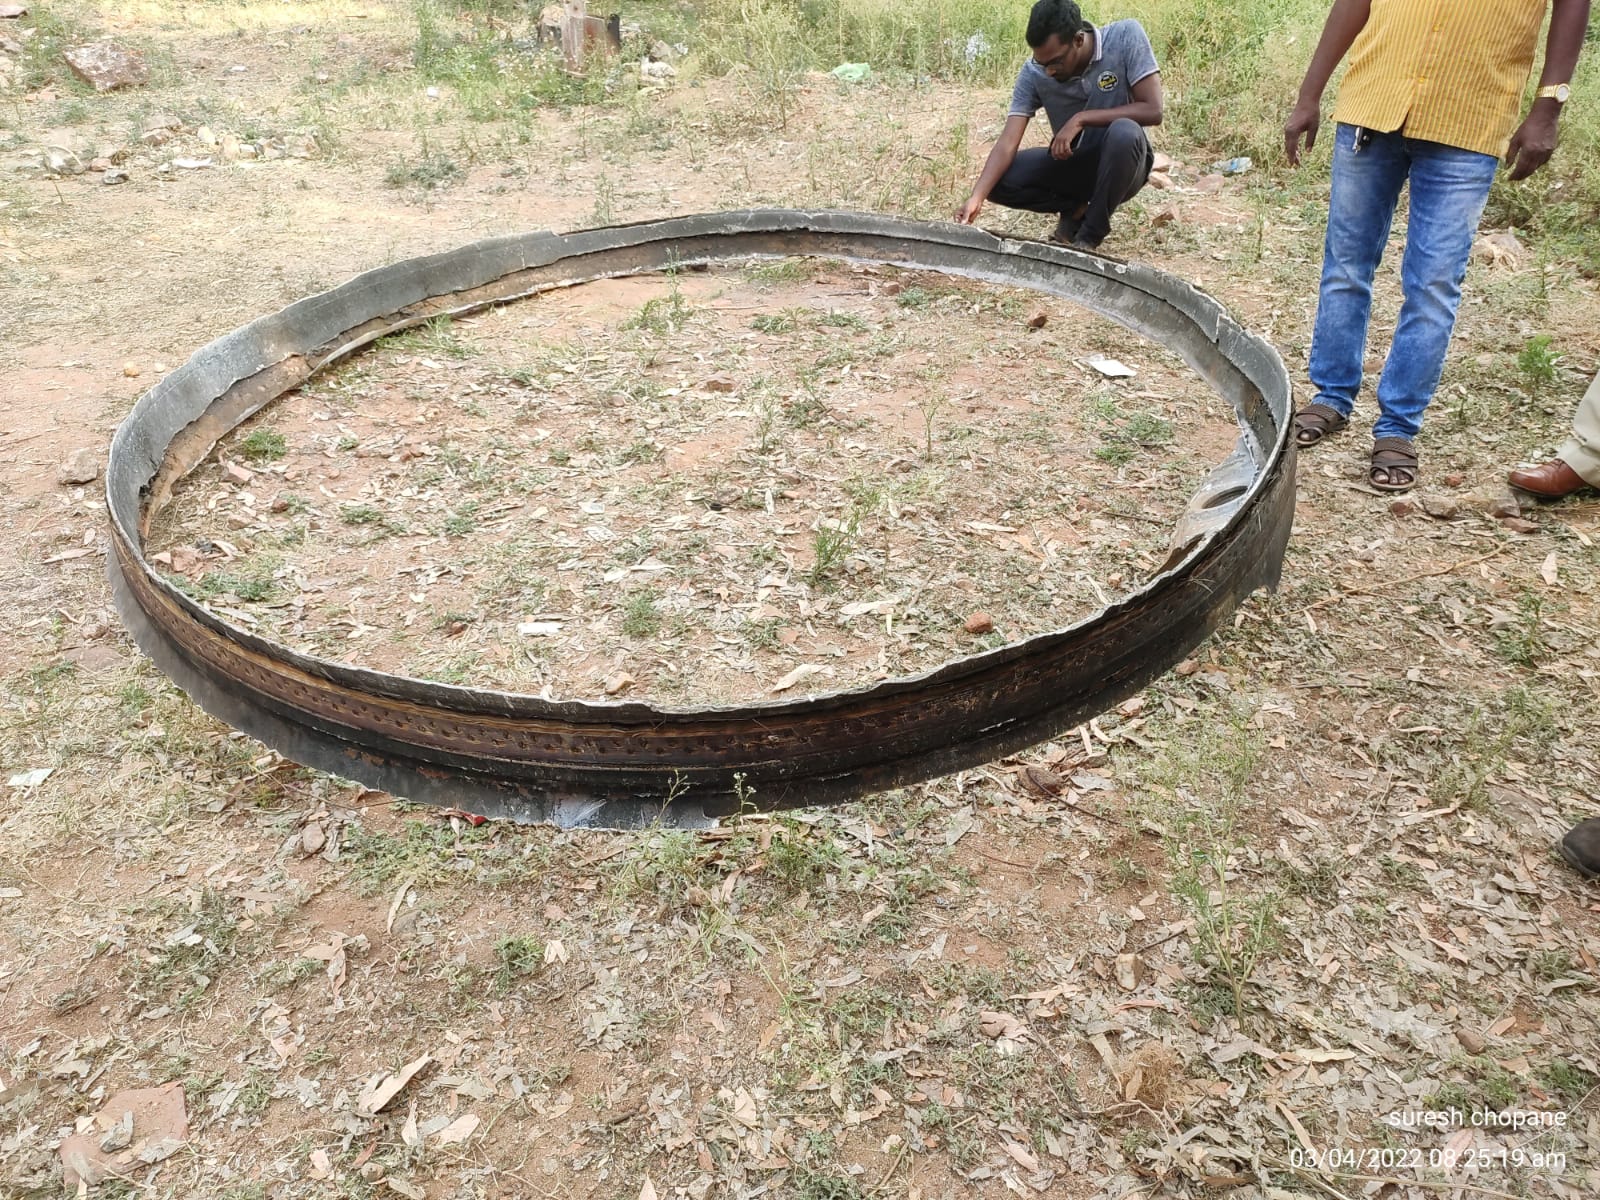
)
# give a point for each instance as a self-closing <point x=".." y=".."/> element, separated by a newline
<point x="786" y="321"/>
<point x="264" y="445"/>
<point x="249" y="580"/>
<point x="437" y="338"/>
<point x="514" y="958"/>
<point x="1537" y="364"/>
<point x="831" y="543"/>
<point x="427" y="172"/>
<point x="1232" y="932"/>
<point x="462" y="520"/>
<point x="783" y="270"/>
<point x="641" y="618"/>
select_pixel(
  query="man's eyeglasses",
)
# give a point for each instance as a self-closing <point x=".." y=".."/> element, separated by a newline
<point x="1059" y="60"/>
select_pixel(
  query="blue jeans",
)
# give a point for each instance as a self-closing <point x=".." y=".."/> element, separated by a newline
<point x="1448" y="189"/>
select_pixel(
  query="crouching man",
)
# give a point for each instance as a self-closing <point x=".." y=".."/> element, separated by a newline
<point x="1100" y="88"/>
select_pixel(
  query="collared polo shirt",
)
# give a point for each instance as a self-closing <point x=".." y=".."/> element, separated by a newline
<point x="1450" y="71"/>
<point x="1122" y="57"/>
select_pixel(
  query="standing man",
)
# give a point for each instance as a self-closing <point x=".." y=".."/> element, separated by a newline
<point x="1574" y="469"/>
<point x="1431" y="96"/>
<point x="1099" y="88"/>
<point x="1576" y="465"/>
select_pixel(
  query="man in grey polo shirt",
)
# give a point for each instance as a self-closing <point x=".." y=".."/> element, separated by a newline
<point x="1099" y="88"/>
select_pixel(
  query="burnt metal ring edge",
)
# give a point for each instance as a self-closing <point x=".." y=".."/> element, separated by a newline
<point x="628" y="764"/>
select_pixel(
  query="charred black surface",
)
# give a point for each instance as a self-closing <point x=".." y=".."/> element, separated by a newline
<point x="628" y="764"/>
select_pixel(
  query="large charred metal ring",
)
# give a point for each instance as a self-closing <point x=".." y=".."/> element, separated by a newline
<point x="626" y="764"/>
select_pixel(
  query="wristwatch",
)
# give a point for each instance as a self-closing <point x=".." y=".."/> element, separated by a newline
<point x="1556" y="91"/>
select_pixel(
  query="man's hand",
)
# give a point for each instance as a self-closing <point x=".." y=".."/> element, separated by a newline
<point x="968" y="212"/>
<point x="1302" y="122"/>
<point x="1061" y="144"/>
<point x="1533" y="143"/>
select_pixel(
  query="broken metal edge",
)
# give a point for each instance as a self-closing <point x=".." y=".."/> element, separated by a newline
<point x="628" y="764"/>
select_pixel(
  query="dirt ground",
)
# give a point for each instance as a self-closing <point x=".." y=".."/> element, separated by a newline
<point x="1228" y="940"/>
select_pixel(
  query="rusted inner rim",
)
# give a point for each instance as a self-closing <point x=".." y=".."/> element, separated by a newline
<point x="627" y="763"/>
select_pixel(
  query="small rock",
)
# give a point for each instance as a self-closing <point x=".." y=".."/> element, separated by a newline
<point x="979" y="623"/>
<point x="1187" y="667"/>
<point x="131" y="370"/>
<point x="1130" y="971"/>
<point x="247" y="151"/>
<point x="1499" y="249"/>
<point x="81" y="466"/>
<point x="1440" y="508"/>
<point x="278" y="505"/>
<point x="619" y="683"/>
<point x="25" y="160"/>
<point x="106" y="66"/>
<point x="1471" y="1042"/>
<point x="1518" y="525"/>
<point x="371" y="1171"/>
<point x="312" y="839"/>
<point x="61" y="161"/>
<point x="1166" y="216"/>
<point x="1505" y="506"/>
<point x="239" y="520"/>
<point x="1161" y="162"/>
<point x="115" y="176"/>
<point x="230" y="148"/>
<point x="1041" y="780"/>
<point x="1161" y="181"/>
<point x="1039" y="320"/>
<point x="1403" y="508"/>
<point x="163" y="121"/>
<point x="302" y="145"/>
<point x="718" y="383"/>
<point x="1454" y="479"/>
<point x="892" y="288"/>
<point x="8" y="11"/>
<point x="100" y="164"/>
<point x="234" y="473"/>
<point x="155" y="137"/>
<point x="205" y="134"/>
<point x="191" y="164"/>
<point x="1209" y="183"/>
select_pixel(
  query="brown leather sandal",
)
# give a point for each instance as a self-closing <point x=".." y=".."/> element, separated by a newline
<point x="1394" y="465"/>
<point x="1315" y="422"/>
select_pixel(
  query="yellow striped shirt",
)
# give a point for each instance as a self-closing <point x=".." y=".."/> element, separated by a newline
<point x="1450" y="71"/>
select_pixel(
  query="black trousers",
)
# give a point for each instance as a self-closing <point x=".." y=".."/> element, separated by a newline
<point x="1109" y="166"/>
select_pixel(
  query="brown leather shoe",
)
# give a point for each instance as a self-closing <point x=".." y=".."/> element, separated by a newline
<point x="1550" y="482"/>
<point x="1581" y="847"/>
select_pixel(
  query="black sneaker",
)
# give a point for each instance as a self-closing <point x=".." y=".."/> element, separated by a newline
<point x="1581" y="847"/>
<point x="1066" y="230"/>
